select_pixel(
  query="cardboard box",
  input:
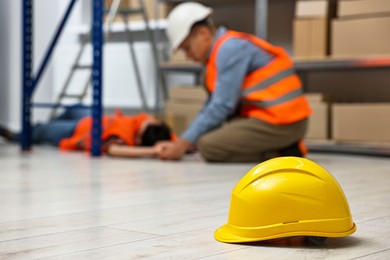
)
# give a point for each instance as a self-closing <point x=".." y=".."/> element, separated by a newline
<point x="181" y="114"/>
<point x="316" y="97"/>
<point x="361" y="122"/>
<point x="193" y="94"/>
<point x="310" y="38"/>
<point x="361" y="37"/>
<point x="184" y="104"/>
<point x="318" y="128"/>
<point x="179" y="57"/>
<point x="189" y="110"/>
<point x="363" y="7"/>
<point x="310" y="9"/>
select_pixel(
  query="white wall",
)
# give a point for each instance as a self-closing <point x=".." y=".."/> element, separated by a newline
<point x="9" y="63"/>
<point x="120" y="85"/>
<point x="45" y="21"/>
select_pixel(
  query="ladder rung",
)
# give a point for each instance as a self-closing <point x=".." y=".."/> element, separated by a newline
<point x="54" y="105"/>
<point x="72" y="96"/>
<point x="82" y="67"/>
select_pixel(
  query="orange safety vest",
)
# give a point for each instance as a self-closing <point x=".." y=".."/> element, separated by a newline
<point x="272" y="93"/>
<point x="125" y="127"/>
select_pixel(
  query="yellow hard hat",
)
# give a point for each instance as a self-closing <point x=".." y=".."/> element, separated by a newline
<point x="286" y="196"/>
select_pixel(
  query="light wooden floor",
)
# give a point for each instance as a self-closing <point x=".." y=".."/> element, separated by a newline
<point x="59" y="205"/>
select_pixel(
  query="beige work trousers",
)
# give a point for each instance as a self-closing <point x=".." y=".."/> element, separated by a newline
<point x="245" y="139"/>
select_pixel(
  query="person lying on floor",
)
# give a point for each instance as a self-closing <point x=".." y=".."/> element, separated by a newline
<point x="122" y="135"/>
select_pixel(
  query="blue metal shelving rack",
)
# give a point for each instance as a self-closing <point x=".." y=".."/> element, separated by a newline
<point x="30" y="80"/>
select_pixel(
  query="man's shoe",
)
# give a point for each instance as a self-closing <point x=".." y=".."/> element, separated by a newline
<point x="297" y="149"/>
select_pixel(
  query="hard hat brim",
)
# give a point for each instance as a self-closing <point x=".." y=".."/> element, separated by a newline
<point x="230" y="234"/>
<point x="225" y="234"/>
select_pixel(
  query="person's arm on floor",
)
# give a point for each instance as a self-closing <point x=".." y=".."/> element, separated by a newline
<point x="115" y="146"/>
<point x="131" y="151"/>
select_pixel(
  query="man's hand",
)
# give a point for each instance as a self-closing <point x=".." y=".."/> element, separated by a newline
<point x="172" y="150"/>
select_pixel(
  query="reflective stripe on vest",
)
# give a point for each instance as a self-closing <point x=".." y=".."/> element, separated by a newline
<point x="270" y="81"/>
<point x="272" y="93"/>
<point x="266" y="104"/>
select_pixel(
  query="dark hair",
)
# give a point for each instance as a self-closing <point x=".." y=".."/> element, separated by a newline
<point x="205" y="22"/>
<point x="154" y="133"/>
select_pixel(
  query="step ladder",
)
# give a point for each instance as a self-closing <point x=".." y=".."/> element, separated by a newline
<point x="114" y="11"/>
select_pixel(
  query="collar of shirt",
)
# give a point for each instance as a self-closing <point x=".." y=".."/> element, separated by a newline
<point x="220" y="31"/>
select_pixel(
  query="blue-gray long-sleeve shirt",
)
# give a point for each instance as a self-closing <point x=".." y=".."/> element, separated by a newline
<point x="236" y="59"/>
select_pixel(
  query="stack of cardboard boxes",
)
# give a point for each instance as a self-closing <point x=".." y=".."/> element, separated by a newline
<point x="361" y="29"/>
<point x="361" y="123"/>
<point x="310" y="29"/>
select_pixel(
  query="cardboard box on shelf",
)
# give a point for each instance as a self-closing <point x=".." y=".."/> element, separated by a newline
<point x="316" y="97"/>
<point x="179" y="57"/>
<point x="319" y="121"/>
<point x="310" y="38"/>
<point x="318" y="127"/>
<point x="363" y="7"/>
<point x="361" y="122"/>
<point x="310" y="9"/>
<point x="183" y="105"/>
<point x="177" y="123"/>
<point x="193" y="94"/>
<point x="189" y="110"/>
<point x="368" y="36"/>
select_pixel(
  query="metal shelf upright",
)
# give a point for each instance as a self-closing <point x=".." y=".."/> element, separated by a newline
<point x="31" y="80"/>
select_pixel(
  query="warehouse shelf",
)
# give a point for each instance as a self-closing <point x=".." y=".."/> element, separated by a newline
<point x="300" y="65"/>
<point x="357" y="63"/>
<point x="303" y="67"/>
<point x="308" y="64"/>
<point x="342" y="63"/>
<point x="30" y="80"/>
<point x="330" y="146"/>
<point x="187" y="68"/>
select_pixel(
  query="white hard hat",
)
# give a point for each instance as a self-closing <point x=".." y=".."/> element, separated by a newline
<point x="181" y="19"/>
